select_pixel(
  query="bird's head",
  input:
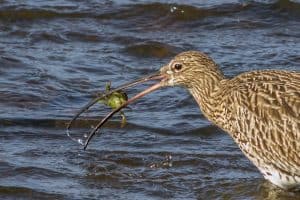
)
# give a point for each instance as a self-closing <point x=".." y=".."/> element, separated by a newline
<point x="188" y="69"/>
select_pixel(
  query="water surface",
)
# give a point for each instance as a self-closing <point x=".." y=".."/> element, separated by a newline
<point x="55" y="55"/>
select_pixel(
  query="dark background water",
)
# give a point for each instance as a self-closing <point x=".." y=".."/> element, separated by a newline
<point x="55" y="55"/>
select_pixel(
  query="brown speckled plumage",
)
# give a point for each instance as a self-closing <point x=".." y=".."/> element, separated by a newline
<point x="259" y="109"/>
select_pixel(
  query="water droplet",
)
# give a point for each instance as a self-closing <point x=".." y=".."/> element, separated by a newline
<point x="152" y="166"/>
<point x="173" y="9"/>
<point x="68" y="133"/>
<point x="80" y="141"/>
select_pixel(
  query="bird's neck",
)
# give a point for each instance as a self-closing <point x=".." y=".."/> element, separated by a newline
<point x="207" y="92"/>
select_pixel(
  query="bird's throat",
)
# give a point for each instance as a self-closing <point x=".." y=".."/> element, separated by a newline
<point x="208" y="94"/>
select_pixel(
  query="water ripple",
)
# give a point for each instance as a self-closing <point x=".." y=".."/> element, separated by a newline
<point x="56" y="55"/>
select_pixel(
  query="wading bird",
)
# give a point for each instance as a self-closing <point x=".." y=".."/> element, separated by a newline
<point x="260" y="110"/>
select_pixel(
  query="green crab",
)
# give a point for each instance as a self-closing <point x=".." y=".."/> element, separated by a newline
<point x="115" y="100"/>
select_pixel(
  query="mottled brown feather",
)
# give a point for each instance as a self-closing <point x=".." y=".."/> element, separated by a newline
<point x="260" y="110"/>
<point x="264" y="108"/>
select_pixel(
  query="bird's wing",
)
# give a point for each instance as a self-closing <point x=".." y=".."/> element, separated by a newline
<point x="266" y="113"/>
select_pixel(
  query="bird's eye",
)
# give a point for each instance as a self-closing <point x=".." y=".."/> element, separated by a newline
<point x="178" y="66"/>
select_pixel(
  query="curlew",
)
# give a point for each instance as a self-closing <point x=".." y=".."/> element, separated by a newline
<point x="260" y="110"/>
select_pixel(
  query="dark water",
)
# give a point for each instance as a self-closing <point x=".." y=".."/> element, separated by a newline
<point x="55" y="55"/>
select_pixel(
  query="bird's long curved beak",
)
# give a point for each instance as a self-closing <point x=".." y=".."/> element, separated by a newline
<point x="153" y="77"/>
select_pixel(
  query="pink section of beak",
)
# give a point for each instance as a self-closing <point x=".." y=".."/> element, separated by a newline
<point x="145" y="92"/>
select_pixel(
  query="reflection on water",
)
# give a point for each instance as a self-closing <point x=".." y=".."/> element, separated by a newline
<point x="54" y="57"/>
